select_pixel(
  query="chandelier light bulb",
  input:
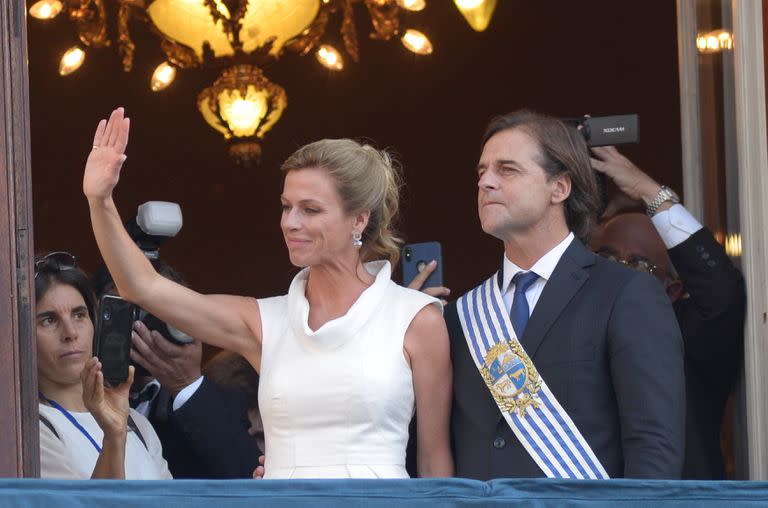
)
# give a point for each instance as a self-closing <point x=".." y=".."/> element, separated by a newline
<point x="733" y="245"/>
<point x="45" y="9"/>
<point x="417" y="42"/>
<point x="163" y="76"/>
<point x="469" y="4"/>
<point x="71" y="61"/>
<point x="330" y="57"/>
<point x="412" y="5"/>
<point x="243" y="114"/>
<point x="714" y="41"/>
<point x="478" y="13"/>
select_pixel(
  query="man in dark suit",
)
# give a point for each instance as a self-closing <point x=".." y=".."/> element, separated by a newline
<point x="202" y="426"/>
<point x="708" y="296"/>
<point x="602" y="338"/>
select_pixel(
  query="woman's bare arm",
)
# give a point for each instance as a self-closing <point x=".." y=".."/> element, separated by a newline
<point x="426" y="342"/>
<point x="228" y="322"/>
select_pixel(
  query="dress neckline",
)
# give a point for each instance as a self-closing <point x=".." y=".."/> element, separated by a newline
<point x="338" y="331"/>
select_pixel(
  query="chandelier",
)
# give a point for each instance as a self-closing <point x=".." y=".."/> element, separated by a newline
<point x="241" y="38"/>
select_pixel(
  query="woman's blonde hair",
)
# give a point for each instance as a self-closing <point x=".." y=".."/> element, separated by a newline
<point x="366" y="179"/>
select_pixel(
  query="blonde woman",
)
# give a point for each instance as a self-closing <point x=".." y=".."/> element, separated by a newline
<point x="346" y="356"/>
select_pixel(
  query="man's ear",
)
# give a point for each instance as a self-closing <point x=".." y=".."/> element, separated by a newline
<point x="675" y="290"/>
<point x="561" y="188"/>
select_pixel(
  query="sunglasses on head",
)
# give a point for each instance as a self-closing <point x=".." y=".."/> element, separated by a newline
<point x="55" y="262"/>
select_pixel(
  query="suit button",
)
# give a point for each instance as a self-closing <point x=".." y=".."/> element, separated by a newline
<point x="499" y="443"/>
<point x="705" y="255"/>
<point x="699" y="248"/>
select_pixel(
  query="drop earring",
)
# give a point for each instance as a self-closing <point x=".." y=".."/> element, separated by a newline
<point x="357" y="239"/>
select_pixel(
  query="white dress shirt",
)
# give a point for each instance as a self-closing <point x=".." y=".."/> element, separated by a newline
<point x="543" y="268"/>
<point x="181" y="398"/>
<point x="143" y="407"/>
<point x="184" y="395"/>
<point x="675" y="225"/>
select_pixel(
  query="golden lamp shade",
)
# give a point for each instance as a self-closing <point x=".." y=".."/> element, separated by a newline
<point x="243" y="105"/>
<point x="195" y="22"/>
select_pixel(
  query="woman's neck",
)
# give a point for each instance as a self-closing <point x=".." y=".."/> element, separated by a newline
<point x="333" y="288"/>
<point x="69" y="396"/>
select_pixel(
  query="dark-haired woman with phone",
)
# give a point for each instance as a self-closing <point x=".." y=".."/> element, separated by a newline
<point x="346" y="356"/>
<point x="87" y="430"/>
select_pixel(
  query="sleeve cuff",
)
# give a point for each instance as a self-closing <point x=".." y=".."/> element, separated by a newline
<point x="675" y="225"/>
<point x="184" y="395"/>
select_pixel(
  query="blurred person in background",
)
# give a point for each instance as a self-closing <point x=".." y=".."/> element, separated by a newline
<point x="705" y="288"/>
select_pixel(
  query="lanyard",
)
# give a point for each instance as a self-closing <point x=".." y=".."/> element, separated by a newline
<point x="71" y="418"/>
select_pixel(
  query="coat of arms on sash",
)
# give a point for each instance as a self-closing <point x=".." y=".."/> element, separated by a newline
<point x="511" y="377"/>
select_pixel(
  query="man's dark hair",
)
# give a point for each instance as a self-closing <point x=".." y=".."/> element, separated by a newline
<point x="48" y="276"/>
<point x="233" y="372"/>
<point x="562" y="150"/>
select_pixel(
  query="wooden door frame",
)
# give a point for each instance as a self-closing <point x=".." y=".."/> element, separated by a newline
<point x="752" y="154"/>
<point x="19" y="448"/>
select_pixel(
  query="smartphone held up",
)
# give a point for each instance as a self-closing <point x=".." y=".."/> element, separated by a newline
<point x="416" y="257"/>
<point x="112" y="340"/>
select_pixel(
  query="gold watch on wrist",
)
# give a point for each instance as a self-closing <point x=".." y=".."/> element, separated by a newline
<point x="665" y="194"/>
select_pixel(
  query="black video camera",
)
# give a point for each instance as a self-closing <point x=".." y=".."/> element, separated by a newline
<point x="607" y="130"/>
<point x="156" y="222"/>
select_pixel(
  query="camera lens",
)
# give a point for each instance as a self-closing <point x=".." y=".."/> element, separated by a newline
<point x="106" y="314"/>
<point x="408" y="254"/>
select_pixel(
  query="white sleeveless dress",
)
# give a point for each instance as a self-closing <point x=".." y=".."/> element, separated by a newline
<point x="337" y="402"/>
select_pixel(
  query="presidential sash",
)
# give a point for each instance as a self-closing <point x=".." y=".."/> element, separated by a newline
<point x="529" y="407"/>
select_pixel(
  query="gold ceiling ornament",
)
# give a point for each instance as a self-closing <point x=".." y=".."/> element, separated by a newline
<point x="243" y="105"/>
<point x="478" y="13"/>
<point x="241" y="36"/>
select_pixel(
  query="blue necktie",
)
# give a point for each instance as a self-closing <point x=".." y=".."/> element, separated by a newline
<point x="520" y="311"/>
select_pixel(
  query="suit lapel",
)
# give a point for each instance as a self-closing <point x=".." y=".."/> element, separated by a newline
<point x="566" y="280"/>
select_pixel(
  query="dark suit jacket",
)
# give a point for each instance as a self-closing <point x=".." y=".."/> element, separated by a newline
<point x="605" y="340"/>
<point x="712" y="322"/>
<point x="208" y="436"/>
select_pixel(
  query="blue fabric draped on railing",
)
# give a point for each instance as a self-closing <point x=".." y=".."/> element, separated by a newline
<point x="30" y="493"/>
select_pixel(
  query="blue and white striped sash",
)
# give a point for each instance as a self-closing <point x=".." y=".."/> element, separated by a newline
<point x="529" y="407"/>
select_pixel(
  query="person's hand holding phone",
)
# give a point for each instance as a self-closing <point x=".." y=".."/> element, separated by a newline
<point x="108" y="405"/>
<point x="175" y="366"/>
<point x="440" y="292"/>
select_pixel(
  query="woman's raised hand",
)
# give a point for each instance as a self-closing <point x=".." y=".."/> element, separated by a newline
<point x="108" y="406"/>
<point x="102" y="170"/>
